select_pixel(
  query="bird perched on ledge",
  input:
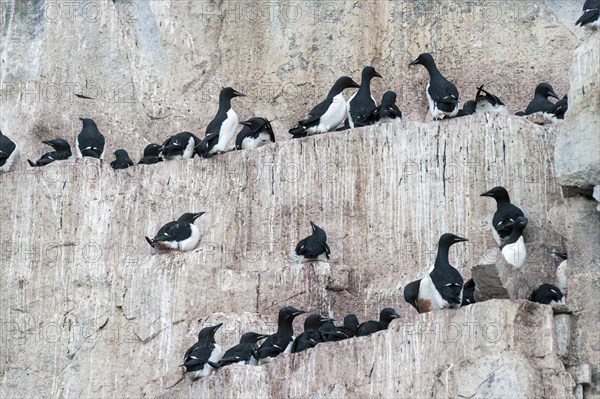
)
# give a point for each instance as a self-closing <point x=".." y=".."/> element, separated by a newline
<point x="62" y="151"/>
<point x="313" y="247"/>
<point x="180" y="234"/>
<point x="441" y="94"/>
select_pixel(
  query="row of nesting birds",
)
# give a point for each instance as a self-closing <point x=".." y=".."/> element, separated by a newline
<point x="441" y="288"/>
<point x="360" y="110"/>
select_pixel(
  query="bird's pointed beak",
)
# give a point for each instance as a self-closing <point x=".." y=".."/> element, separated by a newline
<point x="197" y="215"/>
<point x="245" y="123"/>
<point x="354" y="84"/>
<point x="49" y="142"/>
<point x="261" y="336"/>
<point x="298" y="313"/>
<point x="377" y="75"/>
<point x="238" y="94"/>
<point x="313" y="226"/>
<point x="487" y="194"/>
<point x="553" y="94"/>
<point x="81" y="119"/>
<point x="415" y="62"/>
<point x="215" y="328"/>
<point x="460" y="239"/>
<point x="396" y="316"/>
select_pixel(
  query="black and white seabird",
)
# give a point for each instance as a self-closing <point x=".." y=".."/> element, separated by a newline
<point x="180" y="234"/>
<point x="205" y="350"/>
<point x="281" y="341"/>
<point x="345" y="331"/>
<point x="8" y="153"/>
<point x="467" y="109"/>
<point x="241" y="353"/>
<point x="180" y="146"/>
<point x="547" y="294"/>
<point x="313" y="247"/>
<point x="90" y="142"/>
<point x="540" y="101"/>
<point x="505" y="215"/>
<point x="311" y="336"/>
<point x="387" y="111"/>
<point x="488" y="102"/>
<point x="372" y="326"/>
<point x="122" y="160"/>
<point x="441" y="94"/>
<point x="255" y="133"/>
<point x="221" y="129"/>
<point x="362" y="105"/>
<point x="557" y="113"/>
<point x="513" y="249"/>
<point x="327" y="115"/>
<point x="62" y="151"/>
<point x="561" y="272"/>
<point x="151" y="154"/>
<point x="591" y="13"/>
<point x="443" y="285"/>
<point x="468" y="293"/>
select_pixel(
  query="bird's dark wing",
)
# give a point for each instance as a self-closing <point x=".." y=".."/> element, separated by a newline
<point x="214" y="127"/>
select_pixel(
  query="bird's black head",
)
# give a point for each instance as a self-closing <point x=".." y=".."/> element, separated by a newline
<point x="499" y="193"/>
<point x="447" y="239"/>
<point x="255" y="124"/>
<point x="190" y="217"/>
<point x="317" y="231"/>
<point x="345" y="82"/>
<point x="229" y="93"/>
<point x="469" y="107"/>
<point x="314" y="321"/>
<point x="87" y="122"/>
<point x="546" y="90"/>
<point x="289" y="313"/>
<point x="389" y="98"/>
<point x="351" y="321"/>
<point x="58" y="144"/>
<point x="208" y="333"/>
<point x="121" y="154"/>
<point x="252" y="337"/>
<point x="369" y="73"/>
<point x="387" y="315"/>
<point x="423" y="59"/>
<point x="152" y="150"/>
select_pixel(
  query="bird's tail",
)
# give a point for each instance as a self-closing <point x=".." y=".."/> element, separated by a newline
<point x="214" y="365"/>
<point x="32" y="164"/>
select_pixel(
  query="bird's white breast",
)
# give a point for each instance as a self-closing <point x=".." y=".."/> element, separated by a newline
<point x="190" y="243"/>
<point x="515" y="253"/>
<point x="335" y="114"/>
<point x="227" y="131"/>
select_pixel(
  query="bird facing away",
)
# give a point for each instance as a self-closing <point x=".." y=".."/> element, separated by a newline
<point x="443" y="285"/>
<point x="345" y="331"/>
<point x="372" y="326"/>
<point x="540" y="101"/>
<point x="387" y="111"/>
<point x="591" y="13"/>
<point x="487" y="102"/>
<point x="180" y="146"/>
<point x="90" y="142"/>
<point x="557" y="113"/>
<point x="468" y="293"/>
<point x="362" y="105"/>
<point x="255" y="133"/>
<point x="313" y="247"/>
<point x="221" y="129"/>
<point x="469" y="108"/>
<point x="328" y="114"/>
<point x="205" y="350"/>
<point x="8" y="153"/>
<point x="513" y="249"/>
<point x="547" y="294"/>
<point x="505" y="215"/>
<point x="122" y="160"/>
<point x="151" y="154"/>
<point x="441" y="93"/>
<point x="281" y="341"/>
<point x="62" y="151"/>
<point x="180" y="234"/>
<point x="311" y="336"/>
<point x="241" y="353"/>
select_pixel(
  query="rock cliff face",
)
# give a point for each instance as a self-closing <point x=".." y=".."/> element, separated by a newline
<point x="88" y="309"/>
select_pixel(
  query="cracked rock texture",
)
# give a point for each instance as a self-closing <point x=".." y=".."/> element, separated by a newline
<point x="89" y="311"/>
